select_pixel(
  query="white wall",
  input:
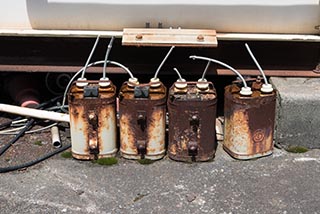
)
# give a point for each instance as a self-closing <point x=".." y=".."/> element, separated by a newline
<point x="286" y="16"/>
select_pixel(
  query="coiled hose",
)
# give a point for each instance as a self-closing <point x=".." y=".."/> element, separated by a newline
<point x="33" y="162"/>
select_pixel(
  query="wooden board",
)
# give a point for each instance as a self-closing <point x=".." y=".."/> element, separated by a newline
<point x="169" y="37"/>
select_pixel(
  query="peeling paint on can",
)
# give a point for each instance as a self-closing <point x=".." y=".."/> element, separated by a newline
<point x="192" y="117"/>
<point x="142" y="121"/>
<point x="92" y="121"/>
<point x="249" y="122"/>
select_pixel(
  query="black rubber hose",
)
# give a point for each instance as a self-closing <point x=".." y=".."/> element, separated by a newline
<point x="27" y="164"/>
<point x="41" y="105"/>
<point x="21" y="133"/>
<point x="7" y="124"/>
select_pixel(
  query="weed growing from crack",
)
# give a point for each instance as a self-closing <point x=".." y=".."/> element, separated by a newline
<point x="106" y="161"/>
<point x="38" y="143"/>
<point x="145" y="161"/>
<point x="66" y="154"/>
<point x="297" y="149"/>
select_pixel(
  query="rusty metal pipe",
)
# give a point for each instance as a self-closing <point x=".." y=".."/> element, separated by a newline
<point x="42" y="114"/>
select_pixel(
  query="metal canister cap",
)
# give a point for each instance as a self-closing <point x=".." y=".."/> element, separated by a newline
<point x="202" y="84"/>
<point x="155" y="82"/>
<point x="104" y="82"/>
<point x="133" y="81"/>
<point x="266" y="88"/>
<point x="82" y="82"/>
<point x="246" y="91"/>
<point x="180" y="84"/>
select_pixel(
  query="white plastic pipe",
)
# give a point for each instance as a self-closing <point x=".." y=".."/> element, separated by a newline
<point x="42" y="114"/>
<point x="55" y="137"/>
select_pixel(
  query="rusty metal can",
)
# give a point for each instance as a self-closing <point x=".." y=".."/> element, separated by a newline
<point x="142" y="114"/>
<point x="192" y="118"/>
<point x="249" y="122"/>
<point x="93" y="127"/>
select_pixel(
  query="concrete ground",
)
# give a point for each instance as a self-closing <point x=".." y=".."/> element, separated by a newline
<point x="281" y="183"/>
<point x="298" y="108"/>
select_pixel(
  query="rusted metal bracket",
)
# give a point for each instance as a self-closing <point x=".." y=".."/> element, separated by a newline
<point x="142" y="148"/>
<point x="169" y="37"/>
<point x="194" y="122"/>
<point x="142" y="120"/>
<point x="193" y="149"/>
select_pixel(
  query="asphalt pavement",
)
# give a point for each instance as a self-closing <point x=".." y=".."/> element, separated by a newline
<point x="281" y="183"/>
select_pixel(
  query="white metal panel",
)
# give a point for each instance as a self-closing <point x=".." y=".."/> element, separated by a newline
<point x="242" y="16"/>
<point x="13" y="14"/>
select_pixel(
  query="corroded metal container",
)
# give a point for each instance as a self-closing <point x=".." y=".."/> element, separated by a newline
<point x="92" y="112"/>
<point x="142" y="112"/>
<point x="192" y="118"/>
<point x="249" y="122"/>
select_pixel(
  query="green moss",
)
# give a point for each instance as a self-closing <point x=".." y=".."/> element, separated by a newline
<point x="145" y="161"/>
<point x="106" y="161"/>
<point x="297" y="149"/>
<point x="38" y="143"/>
<point x="66" y="154"/>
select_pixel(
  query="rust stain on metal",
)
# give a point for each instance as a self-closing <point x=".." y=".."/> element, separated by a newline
<point x="92" y="122"/>
<point x="200" y="37"/>
<point x="249" y="122"/>
<point x="156" y="130"/>
<point x="142" y="122"/>
<point x="107" y="117"/>
<point x="127" y="137"/>
<point x="139" y="36"/>
<point x="169" y="37"/>
<point x="192" y="116"/>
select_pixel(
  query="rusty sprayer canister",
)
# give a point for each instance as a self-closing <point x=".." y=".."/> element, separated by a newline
<point x="249" y="122"/>
<point x="92" y="109"/>
<point x="92" y="112"/>
<point x="142" y="113"/>
<point x="142" y="117"/>
<point x="192" y="116"/>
